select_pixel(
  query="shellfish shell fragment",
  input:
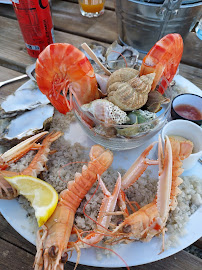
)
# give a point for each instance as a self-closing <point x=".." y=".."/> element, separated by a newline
<point x="26" y="97"/>
<point x="155" y="99"/>
<point x="106" y="112"/>
<point x="146" y="118"/>
<point x="133" y="94"/>
<point x="116" y="55"/>
<point x="28" y="123"/>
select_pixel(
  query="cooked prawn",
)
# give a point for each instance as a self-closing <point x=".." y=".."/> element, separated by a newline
<point x="151" y="219"/>
<point x="60" y="68"/>
<point x="53" y="238"/>
<point x="103" y="221"/>
<point x="163" y="59"/>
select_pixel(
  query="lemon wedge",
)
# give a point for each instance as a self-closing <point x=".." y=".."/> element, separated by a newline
<point x="43" y="196"/>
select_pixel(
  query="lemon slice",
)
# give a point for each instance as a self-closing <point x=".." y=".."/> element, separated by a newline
<point x="43" y="196"/>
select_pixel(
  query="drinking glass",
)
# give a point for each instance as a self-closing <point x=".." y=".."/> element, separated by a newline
<point x="91" y="8"/>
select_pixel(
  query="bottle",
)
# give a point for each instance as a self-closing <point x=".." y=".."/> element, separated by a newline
<point x="35" y="21"/>
<point x="199" y="29"/>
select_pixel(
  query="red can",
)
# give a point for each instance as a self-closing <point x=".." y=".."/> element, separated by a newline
<point x="34" y="18"/>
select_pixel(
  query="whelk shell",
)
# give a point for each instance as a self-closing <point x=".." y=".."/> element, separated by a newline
<point x="120" y="75"/>
<point x="133" y="94"/>
<point x="106" y="112"/>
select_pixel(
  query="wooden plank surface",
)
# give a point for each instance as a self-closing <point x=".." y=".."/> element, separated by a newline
<point x="13" y="53"/>
<point x="67" y="18"/>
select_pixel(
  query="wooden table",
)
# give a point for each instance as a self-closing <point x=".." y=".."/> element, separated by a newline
<point x="71" y="27"/>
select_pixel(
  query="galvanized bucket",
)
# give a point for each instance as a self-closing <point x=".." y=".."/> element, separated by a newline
<point x="142" y="24"/>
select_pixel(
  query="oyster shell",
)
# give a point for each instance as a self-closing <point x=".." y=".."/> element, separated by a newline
<point x="26" y="97"/>
<point x="114" y="57"/>
<point x="30" y="70"/>
<point x="106" y="112"/>
<point x="27" y="124"/>
<point x="133" y="94"/>
<point x="118" y="56"/>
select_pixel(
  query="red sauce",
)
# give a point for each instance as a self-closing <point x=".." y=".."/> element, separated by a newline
<point x="189" y="112"/>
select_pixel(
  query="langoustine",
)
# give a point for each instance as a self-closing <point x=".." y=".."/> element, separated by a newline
<point x="151" y="219"/>
<point x="103" y="220"/>
<point x="53" y="237"/>
<point x="36" y="166"/>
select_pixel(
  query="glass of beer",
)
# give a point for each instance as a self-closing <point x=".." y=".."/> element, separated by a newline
<point x="91" y="8"/>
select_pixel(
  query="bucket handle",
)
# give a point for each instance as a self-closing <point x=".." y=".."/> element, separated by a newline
<point x="167" y="11"/>
<point x="169" y="6"/>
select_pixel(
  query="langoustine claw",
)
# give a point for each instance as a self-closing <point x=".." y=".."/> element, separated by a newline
<point x="133" y="174"/>
<point x="18" y="151"/>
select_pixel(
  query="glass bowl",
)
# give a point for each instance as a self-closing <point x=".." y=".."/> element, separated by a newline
<point x="122" y="137"/>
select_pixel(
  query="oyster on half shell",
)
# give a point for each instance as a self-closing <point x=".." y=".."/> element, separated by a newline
<point x="114" y="57"/>
<point x="26" y="124"/>
<point x="26" y="97"/>
<point x="117" y="56"/>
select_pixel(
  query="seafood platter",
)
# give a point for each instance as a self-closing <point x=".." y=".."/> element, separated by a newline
<point x="132" y="206"/>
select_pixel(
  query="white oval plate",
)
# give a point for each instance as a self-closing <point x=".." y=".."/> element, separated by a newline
<point x="136" y="253"/>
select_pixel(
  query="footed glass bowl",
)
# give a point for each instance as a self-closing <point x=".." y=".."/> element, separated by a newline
<point x="122" y="137"/>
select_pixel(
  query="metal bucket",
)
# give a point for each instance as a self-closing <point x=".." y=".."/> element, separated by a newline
<point x="142" y="24"/>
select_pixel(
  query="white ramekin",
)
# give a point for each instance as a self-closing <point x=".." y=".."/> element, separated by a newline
<point x="189" y="131"/>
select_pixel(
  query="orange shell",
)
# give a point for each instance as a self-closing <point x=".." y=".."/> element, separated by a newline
<point x="61" y="67"/>
<point x="163" y="59"/>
